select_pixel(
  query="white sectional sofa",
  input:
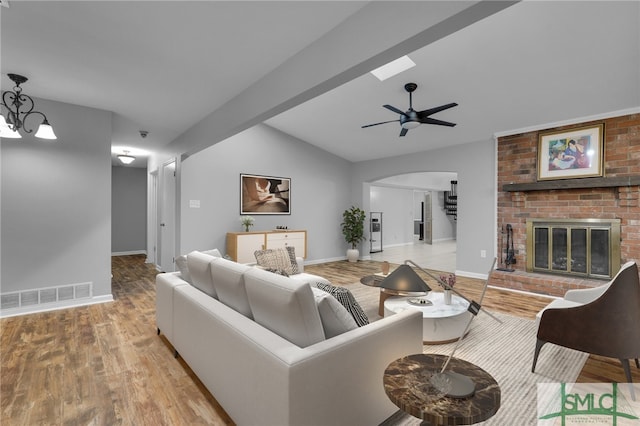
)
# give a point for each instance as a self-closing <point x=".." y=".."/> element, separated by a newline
<point x="258" y="342"/>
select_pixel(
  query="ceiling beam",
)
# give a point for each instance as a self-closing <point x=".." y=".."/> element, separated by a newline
<point x="378" y="33"/>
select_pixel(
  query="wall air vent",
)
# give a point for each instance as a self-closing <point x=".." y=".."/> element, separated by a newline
<point x="45" y="295"/>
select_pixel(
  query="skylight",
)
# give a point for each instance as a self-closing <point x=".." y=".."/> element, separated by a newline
<point x="393" y="68"/>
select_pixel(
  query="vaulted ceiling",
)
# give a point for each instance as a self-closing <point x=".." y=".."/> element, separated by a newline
<point x="163" y="66"/>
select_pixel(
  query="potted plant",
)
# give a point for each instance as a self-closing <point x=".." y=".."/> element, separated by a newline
<point x="353" y="230"/>
<point x="247" y="222"/>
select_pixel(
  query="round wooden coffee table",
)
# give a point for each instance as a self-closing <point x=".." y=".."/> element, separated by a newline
<point x="407" y="384"/>
<point x="375" y="281"/>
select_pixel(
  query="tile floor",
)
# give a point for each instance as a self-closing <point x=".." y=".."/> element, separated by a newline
<point x="440" y="255"/>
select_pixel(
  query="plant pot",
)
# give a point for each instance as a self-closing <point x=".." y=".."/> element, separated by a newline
<point x="353" y="255"/>
<point x="447" y="297"/>
<point x="385" y="268"/>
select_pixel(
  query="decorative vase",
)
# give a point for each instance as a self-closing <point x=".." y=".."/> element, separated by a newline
<point x="385" y="267"/>
<point x="353" y="255"/>
<point x="447" y="297"/>
<point x="246" y="228"/>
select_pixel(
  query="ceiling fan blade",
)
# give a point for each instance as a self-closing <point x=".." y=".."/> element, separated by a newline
<point x="430" y="111"/>
<point x="438" y="122"/>
<point x="383" y="122"/>
<point x="394" y="109"/>
<point x="403" y="131"/>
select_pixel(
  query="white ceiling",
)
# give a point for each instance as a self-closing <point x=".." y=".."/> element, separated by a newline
<point x="163" y="66"/>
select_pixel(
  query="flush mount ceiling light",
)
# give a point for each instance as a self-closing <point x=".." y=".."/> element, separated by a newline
<point x="393" y="68"/>
<point x="126" y="158"/>
<point x="19" y="107"/>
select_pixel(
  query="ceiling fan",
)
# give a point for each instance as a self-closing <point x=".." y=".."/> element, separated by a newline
<point x="411" y="118"/>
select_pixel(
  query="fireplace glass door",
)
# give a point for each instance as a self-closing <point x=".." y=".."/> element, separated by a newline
<point x="584" y="248"/>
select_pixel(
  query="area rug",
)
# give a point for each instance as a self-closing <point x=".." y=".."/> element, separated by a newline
<point x="506" y="352"/>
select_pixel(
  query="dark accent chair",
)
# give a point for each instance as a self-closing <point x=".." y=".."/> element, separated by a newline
<point x="608" y="325"/>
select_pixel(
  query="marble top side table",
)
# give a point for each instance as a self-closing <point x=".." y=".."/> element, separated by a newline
<point x="407" y="384"/>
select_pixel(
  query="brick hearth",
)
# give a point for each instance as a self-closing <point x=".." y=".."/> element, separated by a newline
<point x="517" y="158"/>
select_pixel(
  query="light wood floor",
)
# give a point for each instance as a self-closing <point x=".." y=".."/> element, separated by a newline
<point x="105" y="365"/>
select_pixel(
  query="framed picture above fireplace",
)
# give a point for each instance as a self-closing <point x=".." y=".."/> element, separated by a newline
<point x="571" y="153"/>
<point x="264" y="194"/>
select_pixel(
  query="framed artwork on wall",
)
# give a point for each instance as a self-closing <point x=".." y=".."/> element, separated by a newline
<point x="572" y="153"/>
<point x="264" y="194"/>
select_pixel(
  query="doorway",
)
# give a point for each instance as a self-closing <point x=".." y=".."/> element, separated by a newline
<point x="166" y="217"/>
<point x="415" y="215"/>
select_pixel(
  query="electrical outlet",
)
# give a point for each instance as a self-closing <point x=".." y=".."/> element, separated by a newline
<point x="483" y="253"/>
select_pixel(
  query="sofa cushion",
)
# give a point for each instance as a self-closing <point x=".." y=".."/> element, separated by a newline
<point x="199" y="265"/>
<point x="278" y="259"/>
<point x="228" y="281"/>
<point x="335" y="318"/>
<point x="346" y="299"/>
<point x="284" y="306"/>
<point x="183" y="267"/>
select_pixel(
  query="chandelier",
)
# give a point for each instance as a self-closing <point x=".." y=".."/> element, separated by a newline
<point x="20" y="107"/>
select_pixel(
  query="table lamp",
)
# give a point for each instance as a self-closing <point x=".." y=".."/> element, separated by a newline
<point x="405" y="280"/>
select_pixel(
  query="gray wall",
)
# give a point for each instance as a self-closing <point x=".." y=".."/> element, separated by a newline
<point x="319" y="191"/>
<point x="475" y="165"/>
<point x="323" y="185"/>
<point x="128" y="210"/>
<point x="56" y="203"/>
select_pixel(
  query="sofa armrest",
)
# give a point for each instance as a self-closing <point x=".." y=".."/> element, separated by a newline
<point x="300" y="262"/>
<point x="346" y="372"/>
<point x="165" y="284"/>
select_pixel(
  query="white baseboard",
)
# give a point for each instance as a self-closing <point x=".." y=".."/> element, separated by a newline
<point x="471" y="275"/>
<point x="330" y="259"/>
<point x="128" y="253"/>
<point x="54" y="306"/>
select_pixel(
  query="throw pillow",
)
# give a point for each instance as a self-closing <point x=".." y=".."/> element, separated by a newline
<point x="335" y="318"/>
<point x="277" y="271"/>
<point x="278" y="259"/>
<point x="344" y="296"/>
<point x="291" y="251"/>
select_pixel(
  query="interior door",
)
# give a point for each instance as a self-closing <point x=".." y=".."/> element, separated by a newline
<point x="152" y="226"/>
<point x="167" y="217"/>
<point x="428" y="219"/>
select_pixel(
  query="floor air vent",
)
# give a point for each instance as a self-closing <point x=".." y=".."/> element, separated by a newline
<point x="45" y="295"/>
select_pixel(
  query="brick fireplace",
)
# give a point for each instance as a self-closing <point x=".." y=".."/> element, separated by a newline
<point x="615" y="195"/>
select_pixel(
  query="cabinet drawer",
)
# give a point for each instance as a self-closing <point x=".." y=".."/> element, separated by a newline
<point x="288" y="239"/>
<point x="284" y="236"/>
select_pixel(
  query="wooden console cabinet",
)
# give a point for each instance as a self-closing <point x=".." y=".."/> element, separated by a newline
<point x="241" y="245"/>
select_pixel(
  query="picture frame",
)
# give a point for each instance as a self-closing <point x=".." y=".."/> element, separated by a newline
<point x="572" y="153"/>
<point x="264" y="195"/>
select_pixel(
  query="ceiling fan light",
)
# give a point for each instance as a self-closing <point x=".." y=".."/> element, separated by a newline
<point x="45" y="131"/>
<point x="410" y="125"/>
